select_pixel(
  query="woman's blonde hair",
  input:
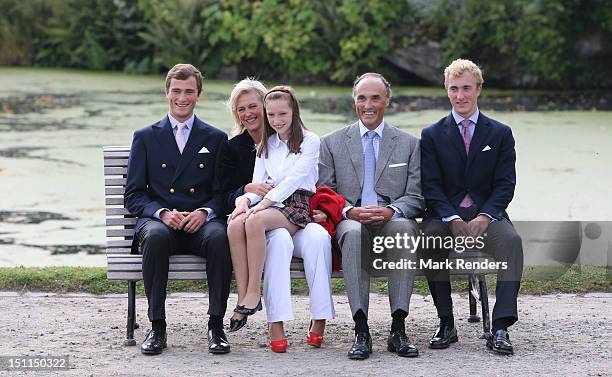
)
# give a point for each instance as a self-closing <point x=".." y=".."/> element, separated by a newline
<point x="247" y="85"/>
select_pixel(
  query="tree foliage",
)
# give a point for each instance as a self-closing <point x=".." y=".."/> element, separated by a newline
<point x="520" y="43"/>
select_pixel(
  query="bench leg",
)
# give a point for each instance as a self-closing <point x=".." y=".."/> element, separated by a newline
<point x="484" y="299"/>
<point x="131" y="316"/>
<point x="473" y="315"/>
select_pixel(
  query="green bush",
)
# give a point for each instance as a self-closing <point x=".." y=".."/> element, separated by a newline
<point x="519" y="43"/>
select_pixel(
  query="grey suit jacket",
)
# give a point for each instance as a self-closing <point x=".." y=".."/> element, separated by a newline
<point x="398" y="168"/>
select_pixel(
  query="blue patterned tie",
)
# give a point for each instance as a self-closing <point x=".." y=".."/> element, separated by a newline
<point x="368" y="194"/>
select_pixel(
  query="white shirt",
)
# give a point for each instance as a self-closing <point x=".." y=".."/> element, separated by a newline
<point x="287" y="172"/>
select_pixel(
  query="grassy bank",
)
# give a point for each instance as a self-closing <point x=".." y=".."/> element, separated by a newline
<point x="536" y="280"/>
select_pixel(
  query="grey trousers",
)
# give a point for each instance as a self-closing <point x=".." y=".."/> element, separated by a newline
<point x="350" y="234"/>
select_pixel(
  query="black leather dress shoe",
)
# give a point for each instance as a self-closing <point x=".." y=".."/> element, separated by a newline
<point x="217" y="341"/>
<point x="398" y="342"/>
<point x="154" y="343"/>
<point x="500" y="343"/>
<point x="248" y="311"/>
<point x="362" y="347"/>
<point x="443" y="337"/>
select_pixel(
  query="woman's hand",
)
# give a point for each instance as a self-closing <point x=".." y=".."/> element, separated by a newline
<point x="265" y="203"/>
<point x="260" y="189"/>
<point x="241" y="208"/>
<point x="319" y="216"/>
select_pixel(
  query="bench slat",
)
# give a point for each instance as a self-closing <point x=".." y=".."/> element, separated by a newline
<point x="115" y="170"/>
<point x="117" y="211"/>
<point x="110" y="221"/>
<point x="135" y="276"/>
<point x="117" y="201"/>
<point x="173" y="267"/>
<point x="119" y="251"/>
<point x="114" y="182"/>
<point x="114" y="191"/>
<point x="136" y="258"/>
<point x="108" y="162"/>
<point x="119" y="232"/>
<point x="119" y="243"/>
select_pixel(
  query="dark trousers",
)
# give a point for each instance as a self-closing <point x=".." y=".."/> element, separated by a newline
<point x="502" y="242"/>
<point x="158" y="243"/>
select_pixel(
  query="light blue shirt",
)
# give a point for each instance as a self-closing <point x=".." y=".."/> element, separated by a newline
<point x="473" y="120"/>
<point x="376" y="143"/>
<point x="186" y="132"/>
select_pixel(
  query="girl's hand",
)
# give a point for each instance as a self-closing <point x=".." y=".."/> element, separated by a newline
<point x="319" y="216"/>
<point x="241" y="208"/>
<point x="259" y="207"/>
<point x="260" y="189"/>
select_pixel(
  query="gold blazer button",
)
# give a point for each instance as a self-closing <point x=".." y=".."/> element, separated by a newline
<point x="192" y="190"/>
<point x="172" y="190"/>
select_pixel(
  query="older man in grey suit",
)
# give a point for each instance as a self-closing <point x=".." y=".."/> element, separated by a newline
<point x="377" y="168"/>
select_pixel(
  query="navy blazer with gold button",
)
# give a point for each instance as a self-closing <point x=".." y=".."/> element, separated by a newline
<point x="159" y="176"/>
<point x="447" y="173"/>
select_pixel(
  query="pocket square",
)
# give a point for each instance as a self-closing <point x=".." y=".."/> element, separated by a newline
<point x="487" y="148"/>
<point x="204" y="150"/>
<point x="398" y="165"/>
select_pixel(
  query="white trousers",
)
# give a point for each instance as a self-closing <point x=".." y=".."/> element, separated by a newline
<point x="313" y="245"/>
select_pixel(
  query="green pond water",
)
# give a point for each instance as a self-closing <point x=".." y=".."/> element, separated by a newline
<point x="51" y="176"/>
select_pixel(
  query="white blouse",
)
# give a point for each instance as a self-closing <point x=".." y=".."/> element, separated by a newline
<point x="287" y="172"/>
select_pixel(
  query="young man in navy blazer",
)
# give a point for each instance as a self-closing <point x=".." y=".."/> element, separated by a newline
<point x="468" y="179"/>
<point x="172" y="187"/>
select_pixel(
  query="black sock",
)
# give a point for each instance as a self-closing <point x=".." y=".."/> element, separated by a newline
<point x="361" y="322"/>
<point x="501" y="324"/>
<point x="159" y="325"/>
<point x="215" y="322"/>
<point x="398" y="320"/>
<point x="448" y="321"/>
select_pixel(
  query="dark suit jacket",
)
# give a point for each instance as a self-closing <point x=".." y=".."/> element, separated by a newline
<point x="447" y="174"/>
<point x="159" y="176"/>
<point x="235" y="165"/>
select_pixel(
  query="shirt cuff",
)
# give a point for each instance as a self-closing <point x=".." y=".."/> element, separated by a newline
<point x="489" y="216"/>
<point x="254" y="198"/>
<point x="345" y="210"/>
<point x="398" y="213"/>
<point x="448" y="219"/>
<point x="158" y="213"/>
<point x="211" y="214"/>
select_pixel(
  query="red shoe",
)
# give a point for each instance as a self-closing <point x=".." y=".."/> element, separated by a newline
<point x="278" y="346"/>
<point x="314" y="339"/>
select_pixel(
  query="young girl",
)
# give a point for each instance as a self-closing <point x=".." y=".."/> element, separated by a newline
<point x="287" y="159"/>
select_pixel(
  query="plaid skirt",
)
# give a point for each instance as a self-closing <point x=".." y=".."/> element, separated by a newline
<point x="297" y="208"/>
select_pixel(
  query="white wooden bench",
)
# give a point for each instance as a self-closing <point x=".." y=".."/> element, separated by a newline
<point x="122" y="265"/>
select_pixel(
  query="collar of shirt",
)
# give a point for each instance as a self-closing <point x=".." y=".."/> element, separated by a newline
<point x="188" y="122"/>
<point x="379" y="130"/>
<point x="276" y="141"/>
<point x="474" y="117"/>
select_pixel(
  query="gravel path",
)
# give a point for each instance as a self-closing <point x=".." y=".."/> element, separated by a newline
<point x="556" y="335"/>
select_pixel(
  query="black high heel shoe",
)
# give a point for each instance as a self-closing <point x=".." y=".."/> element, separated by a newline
<point x="248" y="311"/>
